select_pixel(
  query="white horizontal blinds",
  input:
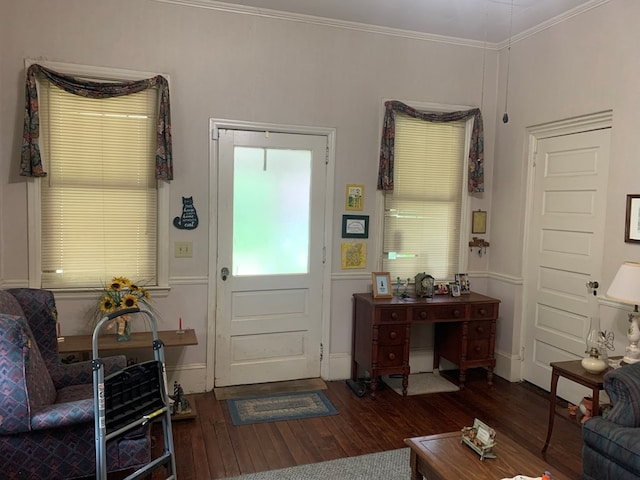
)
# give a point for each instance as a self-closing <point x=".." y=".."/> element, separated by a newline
<point x="99" y="200"/>
<point x="422" y="214"/>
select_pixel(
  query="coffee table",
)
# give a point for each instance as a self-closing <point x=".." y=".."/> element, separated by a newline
<point x="444" y="457"/>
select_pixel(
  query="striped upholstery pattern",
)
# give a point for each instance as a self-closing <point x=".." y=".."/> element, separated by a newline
<point x="612" y="443"/>
<point x="47" y="427"/>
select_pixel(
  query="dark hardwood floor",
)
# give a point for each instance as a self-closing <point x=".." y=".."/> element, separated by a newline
<point x="211" y="447"/>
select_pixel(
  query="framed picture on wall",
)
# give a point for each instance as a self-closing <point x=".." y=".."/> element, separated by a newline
<point x="632" y="221"/>
<point x="355" y="226"/>
<point x="479" y="222"/>
<point x="353" y="255"/>
<point x="354" y="197"/>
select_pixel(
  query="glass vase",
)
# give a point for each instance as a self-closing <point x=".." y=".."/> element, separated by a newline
<point x="123" y="329"/>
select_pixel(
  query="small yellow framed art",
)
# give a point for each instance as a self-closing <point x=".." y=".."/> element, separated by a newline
<point x="354" y="197"/>
<point x="381" y="285"/>
<point x="354" y="255"/>
<point x="479" y="222"/>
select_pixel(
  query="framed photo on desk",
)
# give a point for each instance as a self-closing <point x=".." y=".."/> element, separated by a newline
<point x="381" y="285"/>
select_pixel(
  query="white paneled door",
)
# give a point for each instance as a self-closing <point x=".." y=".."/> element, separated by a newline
<point x="270" y="258"/>
<point x="564" y="252"/>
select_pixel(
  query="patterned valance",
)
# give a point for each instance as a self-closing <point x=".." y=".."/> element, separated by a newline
<point x="31" y="160"/>
<point x="476" y="152"/>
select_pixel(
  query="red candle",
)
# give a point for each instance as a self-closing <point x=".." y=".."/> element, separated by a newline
<point x="58" y="328"/>
<point x="180" y="323"/>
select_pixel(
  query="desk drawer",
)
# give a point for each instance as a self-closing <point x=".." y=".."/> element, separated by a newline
<point x="386" y="315"/>
<point x="484" y="310"/>
<point x="479" y="329"/>
<point x="478" y="349"/>
<point x="440" y="312"/>
<point x="391" y="334"/>
<point x="390" y="355"/>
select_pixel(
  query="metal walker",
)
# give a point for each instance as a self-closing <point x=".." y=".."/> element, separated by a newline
<point x="131" y="398"/>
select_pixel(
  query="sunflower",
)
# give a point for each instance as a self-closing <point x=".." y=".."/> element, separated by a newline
<point x="119" y="283"/>
<point x="107" y="305"/>
<point x="129" y="301"/>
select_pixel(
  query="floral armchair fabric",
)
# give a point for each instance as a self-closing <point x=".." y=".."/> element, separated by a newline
<point x="46" y="407"/>
<point x="611" y="448"/>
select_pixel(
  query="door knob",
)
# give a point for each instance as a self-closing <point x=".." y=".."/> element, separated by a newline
<point x="224" y="273"/>
<point x="593" y="285"/>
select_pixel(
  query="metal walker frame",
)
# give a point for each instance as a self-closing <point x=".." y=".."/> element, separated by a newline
<point x="140" y="416"/>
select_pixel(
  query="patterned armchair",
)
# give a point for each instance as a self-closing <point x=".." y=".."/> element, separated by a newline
<point x="611" y="448"/>
<point x="46" y="407"/>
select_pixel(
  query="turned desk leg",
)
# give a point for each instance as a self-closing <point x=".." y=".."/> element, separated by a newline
<point x="462" y="378"/>
<point x="373" y="386"/>
<point x="552" y="407"/>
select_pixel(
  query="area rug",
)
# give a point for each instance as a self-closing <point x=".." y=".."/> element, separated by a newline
<point x="421" y="383"/>
<point x="390" y="465"/>
<point x="273" y="408"/>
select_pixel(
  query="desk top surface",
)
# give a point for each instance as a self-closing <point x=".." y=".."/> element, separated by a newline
<point x="170" y="338"/>
<point x="472" y="297"/>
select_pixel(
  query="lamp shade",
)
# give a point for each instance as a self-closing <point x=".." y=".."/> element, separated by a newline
<point x="626" y="284"/>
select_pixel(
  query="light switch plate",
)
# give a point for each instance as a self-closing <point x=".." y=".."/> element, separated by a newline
<point x="184" y="249"/>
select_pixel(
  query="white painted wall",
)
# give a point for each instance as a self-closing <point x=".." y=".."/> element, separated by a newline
<point x="267" y="70"/>
<point x="581" y="66"/>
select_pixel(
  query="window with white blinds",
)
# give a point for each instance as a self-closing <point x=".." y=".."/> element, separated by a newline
<point x="422" y="214"/>
<point x="99" y="201"/>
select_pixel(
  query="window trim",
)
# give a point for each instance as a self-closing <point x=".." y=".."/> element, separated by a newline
<point x="34" y="224"/>
<point x="465" y="204"/>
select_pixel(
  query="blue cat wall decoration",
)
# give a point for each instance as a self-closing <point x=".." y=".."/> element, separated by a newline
<point x="189" y="218"/>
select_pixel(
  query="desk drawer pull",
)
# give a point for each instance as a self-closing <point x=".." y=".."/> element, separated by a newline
<point x="392" y="356"/>
<point x="394" y="316"/>
<point x="457" y="313"/>
<point x="393" y="335"/>
<point x="482" y="312"/>
<point x="423" y="315"/>
<point x="477" y="349"/>
<point x="480" y="329"/>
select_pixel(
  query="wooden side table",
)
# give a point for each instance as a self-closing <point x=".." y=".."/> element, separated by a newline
<point x="573" y="371"/>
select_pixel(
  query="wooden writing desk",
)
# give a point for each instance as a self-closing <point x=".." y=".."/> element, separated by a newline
<point x="82" y="343"/>
<point x="465" y="333"/>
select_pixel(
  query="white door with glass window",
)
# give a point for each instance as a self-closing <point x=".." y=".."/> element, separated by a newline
<point x="566" y="244"/>
<point x="270" y="263"/>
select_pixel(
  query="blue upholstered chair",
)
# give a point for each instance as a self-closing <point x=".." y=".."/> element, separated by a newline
<point x="611" y="448"/>
<point x="46" y="407"/>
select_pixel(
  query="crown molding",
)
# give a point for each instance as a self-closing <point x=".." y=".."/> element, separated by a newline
<point x="563" y="17"/>
<point x="328" y="22"/>
<point x="375" y="29"/>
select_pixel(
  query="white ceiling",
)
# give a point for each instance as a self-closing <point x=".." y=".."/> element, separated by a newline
<point x="477" y="20"/>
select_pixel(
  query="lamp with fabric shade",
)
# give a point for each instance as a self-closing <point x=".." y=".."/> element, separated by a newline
<point x="626" y="289"/>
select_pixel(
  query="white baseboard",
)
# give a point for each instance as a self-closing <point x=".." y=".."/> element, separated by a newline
<point x="508" y="366"/>
<point x="191" y="377"/>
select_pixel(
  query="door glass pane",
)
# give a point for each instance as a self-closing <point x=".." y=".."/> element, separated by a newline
<point x="271" y="196"/>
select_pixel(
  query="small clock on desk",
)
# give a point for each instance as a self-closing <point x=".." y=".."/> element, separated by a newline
<point x="424" y="285"/>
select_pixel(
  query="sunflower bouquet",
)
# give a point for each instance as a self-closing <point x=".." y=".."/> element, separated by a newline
<point x="118" y="294"/>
